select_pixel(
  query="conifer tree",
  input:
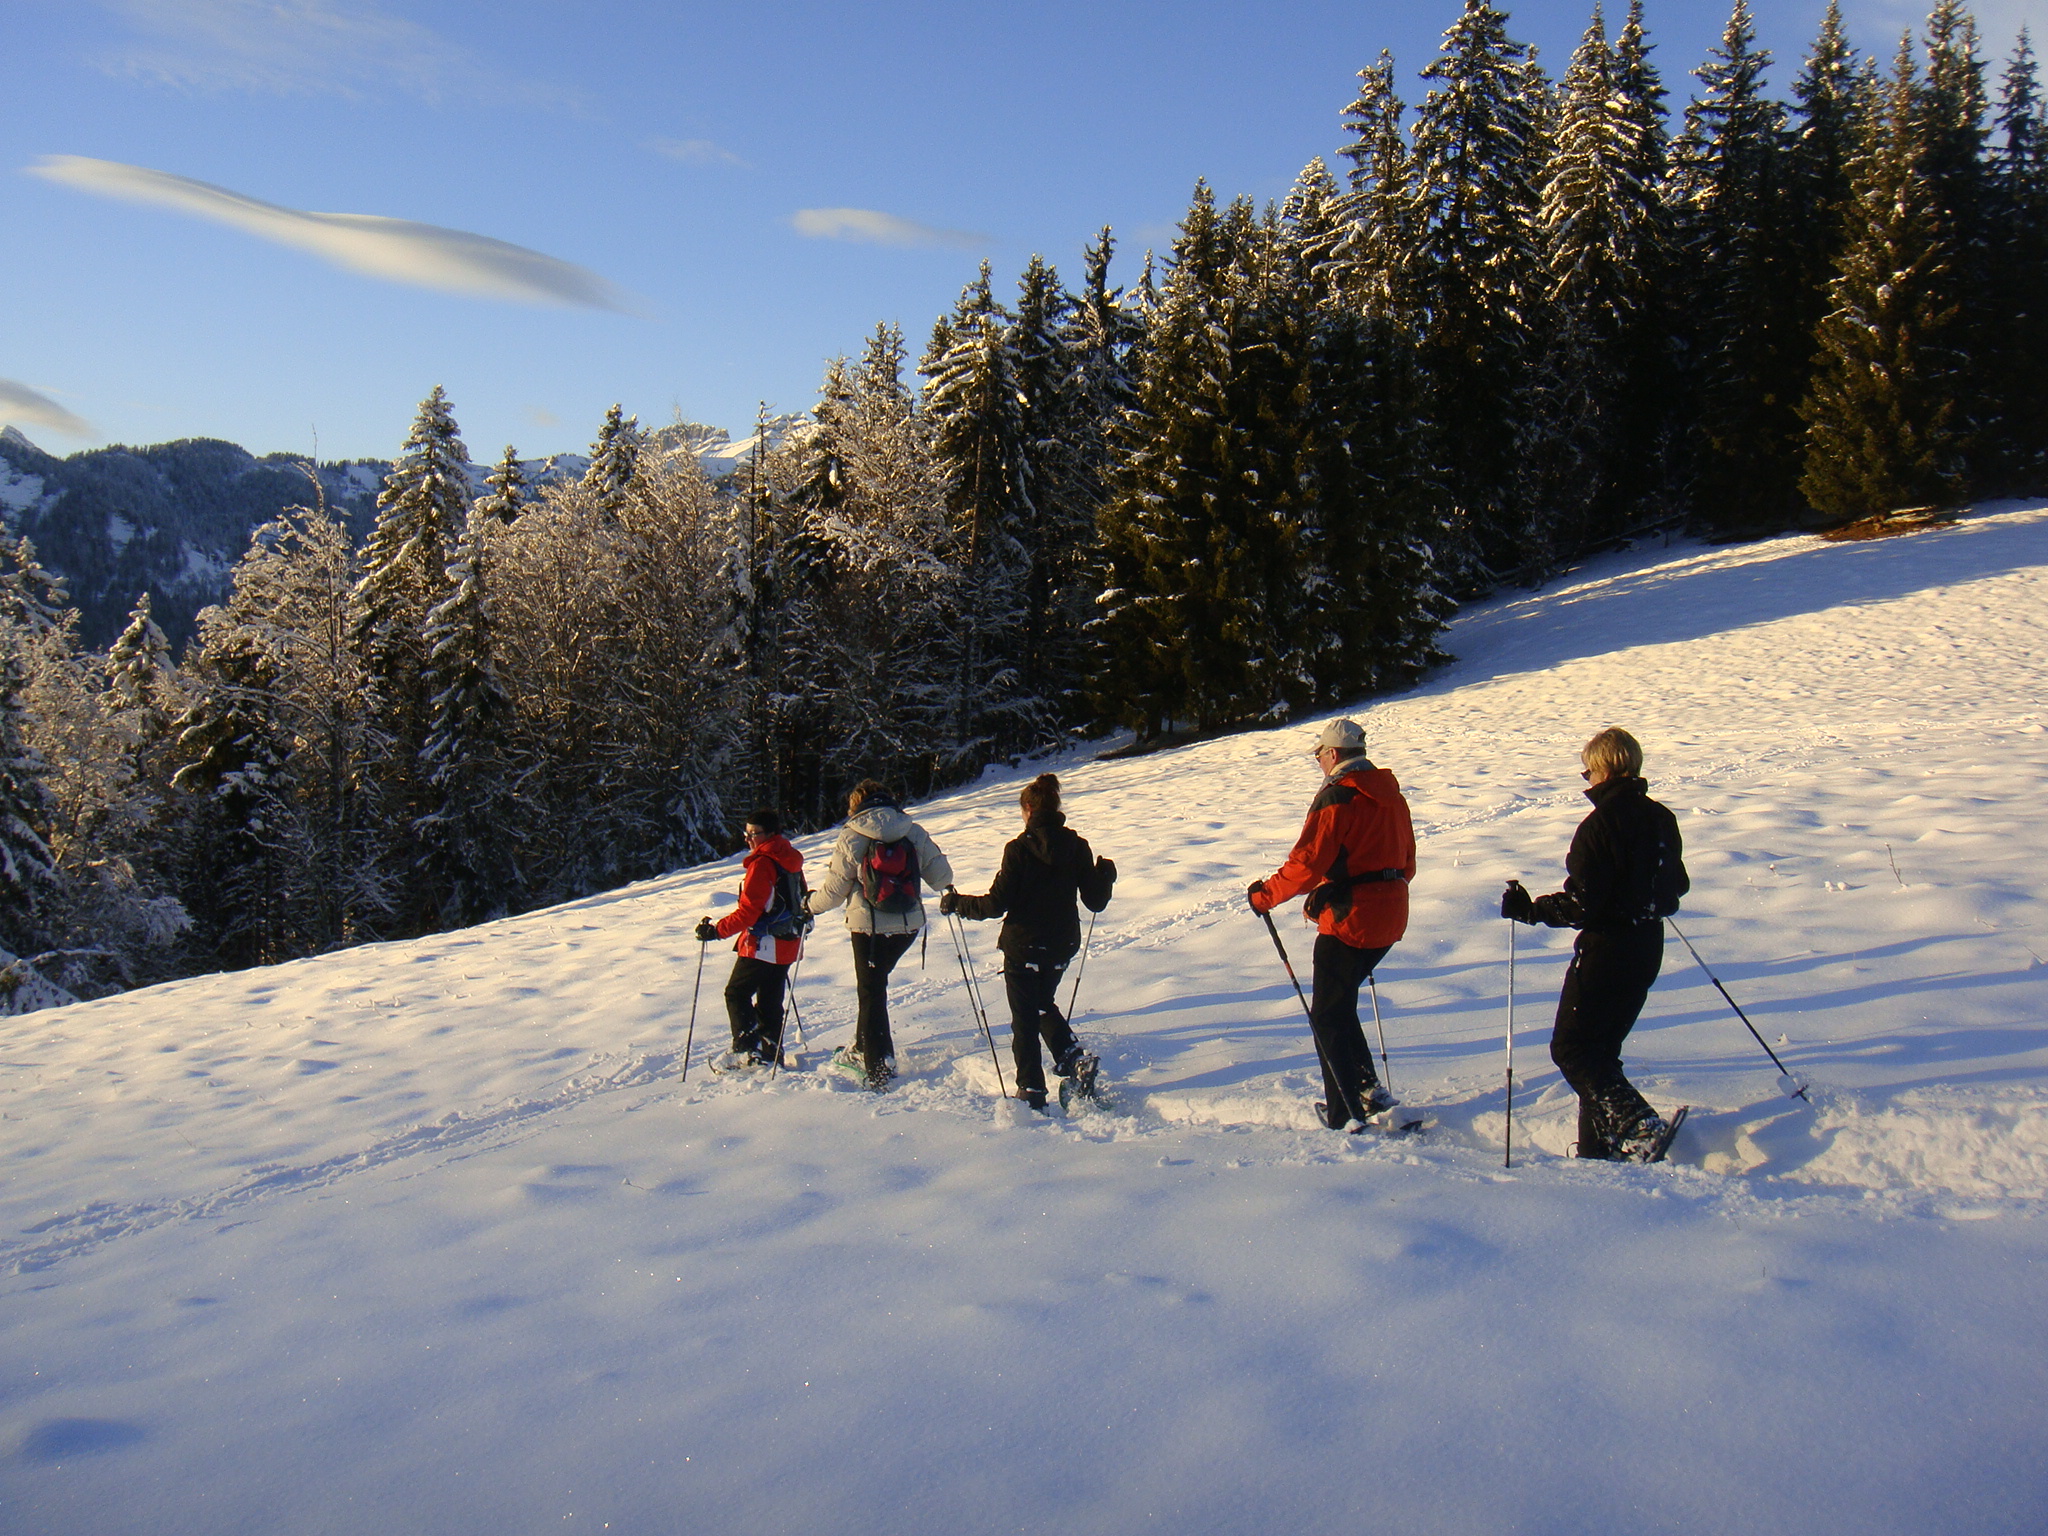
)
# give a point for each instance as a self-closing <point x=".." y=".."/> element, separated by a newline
<point x="1954" y="108"/>
<point x="236" y="746"/>
<point x="1832" y="99"/>
<point x="1478" y="160"/>
<point x="614" y="458"/>
<point x="1368" y="608"/>
<point x="420" y="514"/>
<point x="1748" y="352"/>
<point x="28" y="871"/>
<point x="1883" y="429"/>
<point x="466" y="859"/>
<point x="2016" y="352"/>
<point x="979" y="433"/>
<point x="1374" y="257"/>
<point x="1604" y="246"/>
<point x="1203" y="530"/>
<point x="507" y="483"/>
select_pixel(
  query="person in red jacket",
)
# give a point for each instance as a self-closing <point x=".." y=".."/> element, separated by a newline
<point x="1354" y="858"/>
<point x="769" y="921"/>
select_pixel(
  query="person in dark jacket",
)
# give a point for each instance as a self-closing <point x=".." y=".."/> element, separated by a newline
<point x="1043" y="873"/>
<point x="1355" y="857"/>
<point x="1623" y="876"/>
<point x="768" y="922"/>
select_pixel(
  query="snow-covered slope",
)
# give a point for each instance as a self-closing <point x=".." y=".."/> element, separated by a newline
<point x="429" y="1237"/>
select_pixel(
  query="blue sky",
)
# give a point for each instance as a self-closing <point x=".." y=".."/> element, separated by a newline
<point x="726" y="195"/>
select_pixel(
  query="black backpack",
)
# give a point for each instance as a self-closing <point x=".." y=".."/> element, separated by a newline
<point x="785" y="917"/>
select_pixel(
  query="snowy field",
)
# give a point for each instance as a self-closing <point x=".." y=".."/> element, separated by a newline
<point x="428" y="1237"/>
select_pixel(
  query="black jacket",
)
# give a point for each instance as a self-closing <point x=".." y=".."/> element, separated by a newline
<point x="1043" y="872"/>
<point x="1626" y="861"/>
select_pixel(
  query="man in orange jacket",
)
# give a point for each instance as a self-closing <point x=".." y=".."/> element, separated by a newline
<point x="1355" y="857"/>
<point x="770" y="922"/>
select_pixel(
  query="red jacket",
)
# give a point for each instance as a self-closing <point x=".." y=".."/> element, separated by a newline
<point x="1357" y="825"/>
<point x="757" y="889"/>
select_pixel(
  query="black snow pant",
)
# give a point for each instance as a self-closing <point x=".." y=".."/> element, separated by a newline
<point x="874" y="957"/>
<point x="1604" y="990"/>
<point x="753" y="1003"/>
<point x="1340" y="970"/>
<point x="1032" y="980"/>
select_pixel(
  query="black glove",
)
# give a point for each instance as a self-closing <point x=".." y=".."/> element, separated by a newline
<point x="1515" y="903"/>
<point x="707" y="931"/>
<point x="949" y="901"/>
<point x="1108" y="868"/>
<point x="1253" y="892"/>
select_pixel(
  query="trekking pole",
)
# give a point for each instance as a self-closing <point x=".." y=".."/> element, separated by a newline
<point x="959" y="933"/>
<point x="1081" y="969"/>
<point x="1507" y="1154"/>
<point x="1321" y="1060"/>
<point x="1267" y="918"/>
<point x="690" y="1038"/>
<point x="803" y="1042"/>
<point x="788" y="1004"/>
<point x="1386" y="1067"/>
<point x="1798" y="1089"/>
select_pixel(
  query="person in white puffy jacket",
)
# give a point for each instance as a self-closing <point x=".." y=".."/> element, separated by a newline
<point x="881" y="860"/>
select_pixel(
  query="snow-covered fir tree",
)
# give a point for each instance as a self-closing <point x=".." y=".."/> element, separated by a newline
<point x="1884" y="429"/>
<point x="977" y="413"/>
<point x="2015" y="459"/>
<point x="507" y="488"/>
<point x="614" y="458"/>
<point x="420" y="514"/>
<point x="28" y="871"/>
<point x="1202" y="531"/>
<point x="1478" y="163"/>
<point x="467" y="870"/>
<point x="1374" y="259"/>
<point x="1832" y="97"/>
<point x="1748" y="353"/>
<point x="1605" y="245"/>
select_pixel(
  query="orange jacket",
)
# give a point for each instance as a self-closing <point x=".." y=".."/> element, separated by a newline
<point x="757" y="888"/>
<point x="1358" y="824"/>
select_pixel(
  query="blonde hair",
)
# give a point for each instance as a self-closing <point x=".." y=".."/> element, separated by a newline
<point x="1613" y="754"/>
<point x="863" y="792"/>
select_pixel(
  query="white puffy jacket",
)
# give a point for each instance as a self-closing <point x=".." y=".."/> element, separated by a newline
<point x="868" y="826"/>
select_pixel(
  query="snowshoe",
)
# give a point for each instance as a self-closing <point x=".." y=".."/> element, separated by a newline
<point x="1034" y="1099"/>
<point x="850" y="1063"/>
<point x="736" y="1063"/>
<point x="1080" y="1079"/>
<point x="1649" y="1139"/>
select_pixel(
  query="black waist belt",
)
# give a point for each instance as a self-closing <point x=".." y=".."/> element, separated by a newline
<point x="1363" y="877"/>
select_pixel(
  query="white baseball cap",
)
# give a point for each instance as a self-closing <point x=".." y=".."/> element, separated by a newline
<point x="1347" y="736"/>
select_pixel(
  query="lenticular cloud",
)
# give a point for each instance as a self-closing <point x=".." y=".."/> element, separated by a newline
<point x="20" y="403"/>
<point x="397" y="250"/>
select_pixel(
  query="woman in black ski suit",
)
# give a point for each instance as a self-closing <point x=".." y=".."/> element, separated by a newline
<point x="1624" y="875"/>
<point x="1043" y="872"/>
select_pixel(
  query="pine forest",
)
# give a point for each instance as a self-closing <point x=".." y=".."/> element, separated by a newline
<point x="1517" y="318"/>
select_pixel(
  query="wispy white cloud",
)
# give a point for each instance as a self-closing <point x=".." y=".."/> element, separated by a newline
<point x="21" y="405"/>
<point x="866" y="226"/>
<point x="349" y="48"/>
<point x="397" y="250"/>
<point x="697" y="152"/>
